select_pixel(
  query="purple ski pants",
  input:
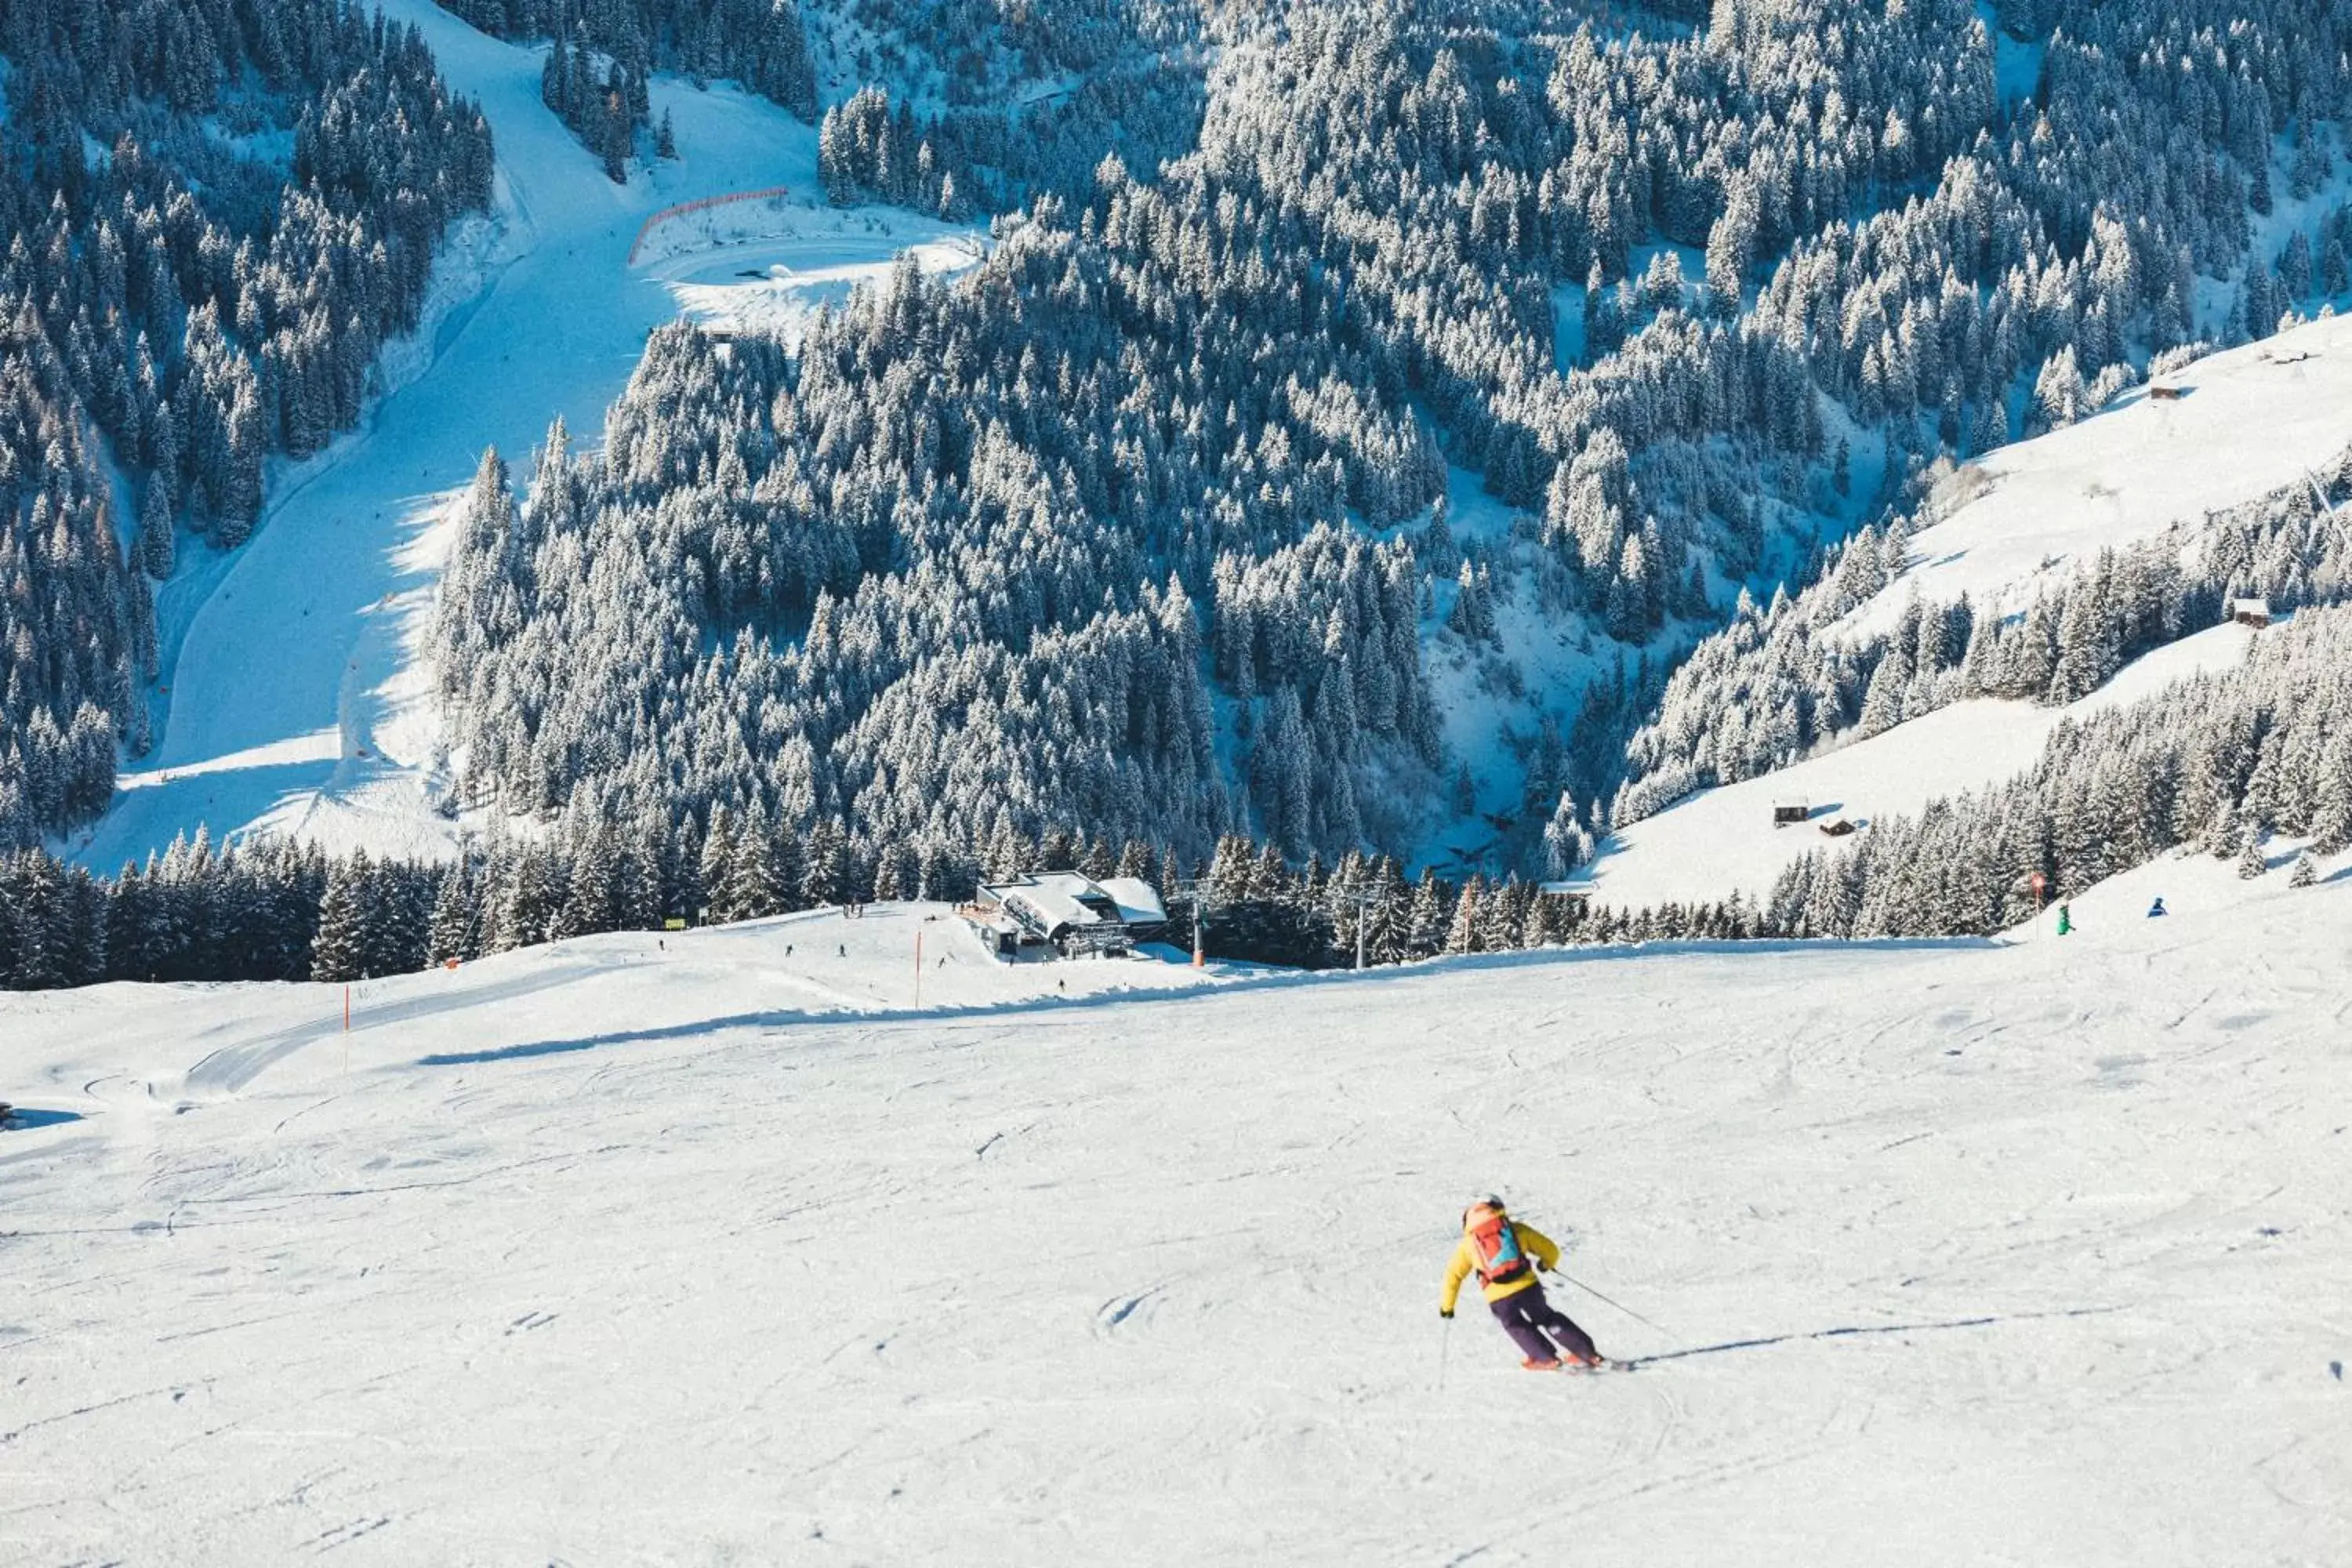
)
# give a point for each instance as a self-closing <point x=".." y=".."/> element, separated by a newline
<point x="1526" y="1317"/>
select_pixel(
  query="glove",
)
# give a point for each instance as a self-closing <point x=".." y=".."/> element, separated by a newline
<point x="1446" y="1313"/>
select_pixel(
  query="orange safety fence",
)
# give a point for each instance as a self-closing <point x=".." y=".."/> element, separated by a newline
<point x="682" y="208"/>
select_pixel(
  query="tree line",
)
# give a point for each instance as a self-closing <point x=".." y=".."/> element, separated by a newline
<point x="270" y="909"/>
<point x="2222" y="762"/>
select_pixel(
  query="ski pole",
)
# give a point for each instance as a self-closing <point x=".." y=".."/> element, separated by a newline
<point x="1619" y="1305"/>
<point x="1444" y="1349"/>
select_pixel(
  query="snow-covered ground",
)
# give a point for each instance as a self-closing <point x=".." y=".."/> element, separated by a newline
<point x="2252" y="420"/>
<point x="1719" y="841"/>
<point x="293" y="699"/>
<point x="622" y="1251"/>
<point x="769" y="269"/>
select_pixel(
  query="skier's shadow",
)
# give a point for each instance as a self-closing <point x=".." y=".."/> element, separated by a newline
<point x="1855" y="1332"/>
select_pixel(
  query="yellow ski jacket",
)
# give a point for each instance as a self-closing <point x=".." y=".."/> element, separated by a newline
<point x="1533" y="1242"/>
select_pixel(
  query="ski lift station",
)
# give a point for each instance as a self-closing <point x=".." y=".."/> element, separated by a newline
<point x="1067" y="914"/>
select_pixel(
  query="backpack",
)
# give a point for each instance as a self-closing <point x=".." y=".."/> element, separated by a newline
<point x="1496" y="1246"/>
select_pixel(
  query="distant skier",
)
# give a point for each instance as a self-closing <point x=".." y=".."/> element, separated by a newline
<point x="2156" y="910"/>
<point x="1506" y="1255"/>
<point x="2065" y="920"/>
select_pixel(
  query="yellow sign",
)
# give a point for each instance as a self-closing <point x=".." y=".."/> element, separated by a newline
<point x="673" y="923"/>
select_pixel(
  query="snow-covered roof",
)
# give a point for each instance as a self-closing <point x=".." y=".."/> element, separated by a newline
<point x="1055" y="901"/>
<point x="1138" y="902"/>
<point x="2250" y="606"/>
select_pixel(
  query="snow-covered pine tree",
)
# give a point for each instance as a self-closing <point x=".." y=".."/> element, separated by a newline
<point x="2252" y="861"/>
<point x="339" y="950"/>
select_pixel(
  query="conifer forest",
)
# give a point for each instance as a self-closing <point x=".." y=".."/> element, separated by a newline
<point x="1381" y="448"/>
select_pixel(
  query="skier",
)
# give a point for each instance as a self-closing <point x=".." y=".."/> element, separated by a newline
<point x="2065" y="920"/>
<point x="2156" y="910"/>
<point x="1506" y="1255"/>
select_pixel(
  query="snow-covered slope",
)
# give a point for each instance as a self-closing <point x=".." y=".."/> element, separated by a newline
<point x="2250" y="420"/>
<point x="293" y="700"/>
<point x="622" y="1251"/>
<point x="1723" y="840"/>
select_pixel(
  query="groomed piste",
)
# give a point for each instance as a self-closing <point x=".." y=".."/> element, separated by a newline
<point x="715" y="1248"/>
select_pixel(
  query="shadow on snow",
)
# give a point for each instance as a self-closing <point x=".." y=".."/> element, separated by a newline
<point x="1288" y="979"/>
<point x="1859" y="1330"/>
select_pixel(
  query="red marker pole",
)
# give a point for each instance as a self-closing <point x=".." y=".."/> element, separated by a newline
<point x="918" y="966"/>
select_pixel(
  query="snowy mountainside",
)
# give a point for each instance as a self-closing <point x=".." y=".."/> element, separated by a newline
<point x="2048" y="582"/>
<point x="1163" y="486"/>
<point x="1240" y="369"/>
<point x="687" y="1250"/>
<point x="293" y="700"/>
<point x="1720" y="840"/>
<point x="2245" y="422"/>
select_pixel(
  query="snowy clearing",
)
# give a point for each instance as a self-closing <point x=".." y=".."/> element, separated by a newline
<point x="293" y="700"/>
<point x="619" y="1251"/>
<point x="770" y="272"/>
<point x="2251" y="420"/>
<point x="1709" y="844"/>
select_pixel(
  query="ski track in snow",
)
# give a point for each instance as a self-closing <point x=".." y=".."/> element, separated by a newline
<point x="1963" y="1253"/>
<point x="294" y="699"/>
